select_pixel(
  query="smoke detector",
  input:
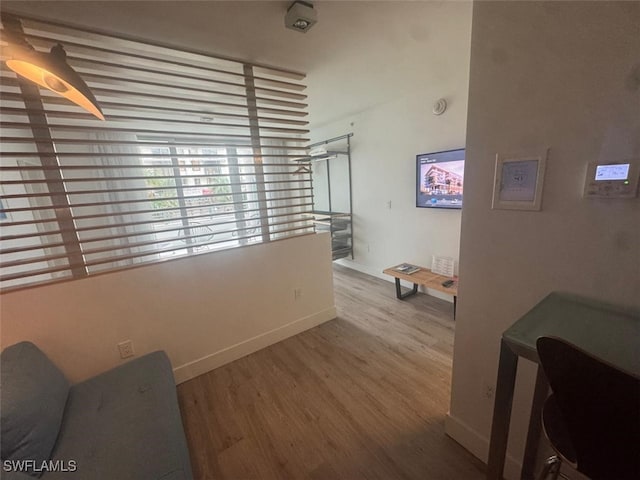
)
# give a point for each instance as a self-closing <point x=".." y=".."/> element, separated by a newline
<point x="300" y="16"/>
<point x="439" y="107"/>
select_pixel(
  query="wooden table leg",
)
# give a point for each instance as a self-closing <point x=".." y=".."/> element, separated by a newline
<point x="505" y="385"/>
<point x="401" y="295"/>
<point x="535" y="426"/>
<point x="455" y="302"/>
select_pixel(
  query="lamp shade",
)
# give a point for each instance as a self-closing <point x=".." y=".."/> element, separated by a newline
<point x="51" y="71"/>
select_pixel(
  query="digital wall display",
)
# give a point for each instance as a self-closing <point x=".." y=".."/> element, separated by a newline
<point x="618" y="171"/>
<point x="440" y="179"/>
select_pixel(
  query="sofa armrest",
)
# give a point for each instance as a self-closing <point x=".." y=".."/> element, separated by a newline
<point x="33" y="397"/>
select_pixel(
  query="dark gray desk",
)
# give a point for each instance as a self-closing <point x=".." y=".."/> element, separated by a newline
<point x="606" y="331"/>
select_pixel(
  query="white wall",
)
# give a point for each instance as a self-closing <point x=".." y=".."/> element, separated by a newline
<point x="389" y="135"/>
<point x="566" y="76"/>
<point x="204" y="311"/>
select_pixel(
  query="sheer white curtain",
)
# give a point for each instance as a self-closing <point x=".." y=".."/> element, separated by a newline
<point x="116" y="198"/>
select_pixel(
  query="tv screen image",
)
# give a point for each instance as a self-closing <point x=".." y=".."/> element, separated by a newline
<point x="439" y="179"/>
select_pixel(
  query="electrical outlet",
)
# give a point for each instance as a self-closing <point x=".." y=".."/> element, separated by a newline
<point x="297" y="294"/>
<point x="126" y="349"/>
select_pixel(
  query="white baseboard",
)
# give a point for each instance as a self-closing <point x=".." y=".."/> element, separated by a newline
<point x="478" y="445"/>
<point x="226" y="355"/>
<point x="374" y="272"/>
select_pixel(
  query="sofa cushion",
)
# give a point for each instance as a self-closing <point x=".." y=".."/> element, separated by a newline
<point x="125" y="424"/>
<point x="15" y="475"/>
<point x="33" y="397"/>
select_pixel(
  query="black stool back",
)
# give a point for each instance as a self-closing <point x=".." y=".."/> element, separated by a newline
<point x="600" y="406"/>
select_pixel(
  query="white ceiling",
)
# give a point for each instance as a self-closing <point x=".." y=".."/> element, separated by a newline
<point x="358" y="55"/>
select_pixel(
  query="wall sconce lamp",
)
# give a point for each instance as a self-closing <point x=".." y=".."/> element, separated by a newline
<point x="49" y="70"/>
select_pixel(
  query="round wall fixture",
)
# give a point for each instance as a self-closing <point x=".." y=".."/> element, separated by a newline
<point x="439" y="107"/>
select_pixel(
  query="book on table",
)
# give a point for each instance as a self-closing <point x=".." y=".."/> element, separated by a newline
<point x="406" y="268"/>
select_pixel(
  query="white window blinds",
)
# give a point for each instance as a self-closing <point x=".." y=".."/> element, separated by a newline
<point x="197" y="153"/>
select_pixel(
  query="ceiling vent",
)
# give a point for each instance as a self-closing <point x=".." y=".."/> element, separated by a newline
<point x="300" y="16"/>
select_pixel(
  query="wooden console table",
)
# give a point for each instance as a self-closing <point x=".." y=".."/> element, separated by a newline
<point x="425" y="277"/>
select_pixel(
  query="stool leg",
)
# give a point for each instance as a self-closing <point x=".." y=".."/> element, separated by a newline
<point x="551" y="467"/>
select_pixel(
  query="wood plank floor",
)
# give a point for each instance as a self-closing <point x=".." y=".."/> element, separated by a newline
<point x="363" y="396"/>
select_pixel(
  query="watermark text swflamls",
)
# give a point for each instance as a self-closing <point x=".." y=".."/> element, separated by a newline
<point x="34" y="466"/>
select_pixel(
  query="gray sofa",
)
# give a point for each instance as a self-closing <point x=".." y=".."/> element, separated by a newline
<point x="122" y="424"/>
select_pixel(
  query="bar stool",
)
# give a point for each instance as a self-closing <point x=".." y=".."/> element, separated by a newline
<point x="592" y="418"/>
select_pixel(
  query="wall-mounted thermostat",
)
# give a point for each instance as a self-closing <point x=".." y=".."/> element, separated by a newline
<point x="611" y="180"/>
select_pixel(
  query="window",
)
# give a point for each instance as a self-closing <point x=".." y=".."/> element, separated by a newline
<point x="197" y="153"/>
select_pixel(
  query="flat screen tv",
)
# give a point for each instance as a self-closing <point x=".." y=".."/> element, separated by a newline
<point x="439" y="179"/>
